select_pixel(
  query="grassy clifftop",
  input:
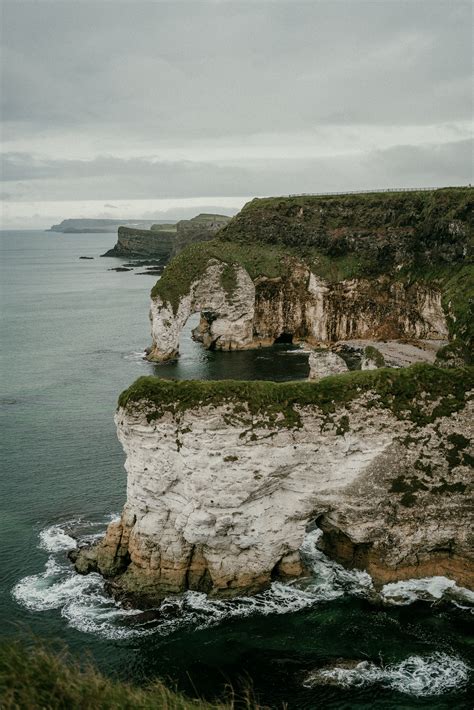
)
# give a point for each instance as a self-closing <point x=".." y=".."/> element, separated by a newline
<point x="399" y="390"/>
<point x="412" y="236"/>
<point x="384" y="228"/>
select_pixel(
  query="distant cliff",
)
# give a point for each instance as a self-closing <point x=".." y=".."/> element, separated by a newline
<point x="79" y="226"/>
<point x="167" y="240"/>
<point x="143" y="242"/>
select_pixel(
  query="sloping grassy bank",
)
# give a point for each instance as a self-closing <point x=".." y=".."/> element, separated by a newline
<point x="39" y="678"/>
<point x="411" y="237"/>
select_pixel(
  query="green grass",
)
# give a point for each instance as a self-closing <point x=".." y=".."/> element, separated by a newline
<point x="190" y="264"/>
<point x="375" y="355"/>
<point x="278" y="404"/>
<point x="36" y="678"/>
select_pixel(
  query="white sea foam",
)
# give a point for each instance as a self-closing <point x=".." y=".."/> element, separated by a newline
<point x="55" y="539"/>
<point x="420" y="676"/>
<point x="425" y="589"/>
<point x="52" y="588"/>
<point x="84" y="603"/>
<point x="135" y="356"/>
<point x="330" y="579"/>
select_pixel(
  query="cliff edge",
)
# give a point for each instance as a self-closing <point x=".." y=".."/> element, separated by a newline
<point x="224" y="478"/>
<point x="323" y="269"/>
<point x="166" y="240"/>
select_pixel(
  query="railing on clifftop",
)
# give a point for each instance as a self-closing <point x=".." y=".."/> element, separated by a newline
<point x="380" y="189"/>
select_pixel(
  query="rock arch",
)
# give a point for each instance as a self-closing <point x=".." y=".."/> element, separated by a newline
<point x="253" y="313"/>
<point x="226" y="316"/>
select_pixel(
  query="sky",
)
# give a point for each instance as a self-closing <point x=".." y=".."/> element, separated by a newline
<point x="150" y="109"/>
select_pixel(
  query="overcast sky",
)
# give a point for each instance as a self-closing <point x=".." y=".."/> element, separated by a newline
<point x="161" y="109"/>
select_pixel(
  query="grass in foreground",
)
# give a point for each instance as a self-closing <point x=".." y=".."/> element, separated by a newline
<point x="38" y="678"/>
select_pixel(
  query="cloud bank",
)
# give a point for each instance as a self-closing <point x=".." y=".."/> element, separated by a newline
<point x="148" y="101"/>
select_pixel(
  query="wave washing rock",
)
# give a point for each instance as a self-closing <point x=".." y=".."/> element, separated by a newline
<point x="323" y="269"/>
<point x="224" y="478"/>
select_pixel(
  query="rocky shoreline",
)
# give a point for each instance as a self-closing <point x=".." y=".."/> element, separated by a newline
<point x="221" y="490"/>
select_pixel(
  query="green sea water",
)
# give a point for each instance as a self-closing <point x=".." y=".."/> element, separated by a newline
<point x="72" y="337"/>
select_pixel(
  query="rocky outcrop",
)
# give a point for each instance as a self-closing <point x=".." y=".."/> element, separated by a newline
<point x="143" y="242"/>
<point x="166" y="240"/>
<point x="323" y="363"/>
<point x="299" y="307"/>
<point x="383" y="266"/>
<point x="226" y="320"/>
<point x="224" y="479"/>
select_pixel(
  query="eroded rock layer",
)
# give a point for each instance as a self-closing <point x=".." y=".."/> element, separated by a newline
<point x="324" y="269"/>
<point x="300" y="307"/>
<point x="224" y="479"/>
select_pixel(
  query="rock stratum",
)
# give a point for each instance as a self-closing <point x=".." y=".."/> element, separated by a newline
<point x="225" y="478"/>
<point x="166" y="240"/>
<point x="321" y="269"/>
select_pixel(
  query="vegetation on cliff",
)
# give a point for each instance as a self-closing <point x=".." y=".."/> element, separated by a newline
<point x="423" y="237"/>
<point x="386" y="229"/>
<point x="407" y="392"/>
<point x="40" y="678"/>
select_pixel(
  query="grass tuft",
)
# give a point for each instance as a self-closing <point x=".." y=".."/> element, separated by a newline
<point x="37" y="677"/>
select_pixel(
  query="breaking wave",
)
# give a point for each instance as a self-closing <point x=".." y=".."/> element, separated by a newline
<point x="84" y="603"/>
<point x="135" y="356"/>
<point x="420" y="676"/>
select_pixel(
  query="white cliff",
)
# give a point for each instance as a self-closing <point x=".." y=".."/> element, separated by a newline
<point x="298" y="307"/>
<point x="219" y="495"/>
<point x="226" y="320"/>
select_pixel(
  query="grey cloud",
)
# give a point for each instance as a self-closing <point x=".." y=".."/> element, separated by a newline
<point x="168" y="73"/>
<point x="193" y="68"/>
<point x="115" y="179"/>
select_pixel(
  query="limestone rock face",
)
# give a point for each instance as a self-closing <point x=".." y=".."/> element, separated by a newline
<point x="323" y="363"/>
<point x="226" y="320"/>
<point x="300" y="307"/>
<point x="219" y="498"/>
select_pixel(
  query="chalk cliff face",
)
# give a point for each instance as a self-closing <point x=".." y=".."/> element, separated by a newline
<point x="226" y="322"/>
<point x="300" y="307"/>
<point x="225" y="478"/>
<point x="324" y="269"/>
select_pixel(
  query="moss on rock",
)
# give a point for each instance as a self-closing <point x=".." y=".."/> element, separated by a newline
<point x="406" y="392"/>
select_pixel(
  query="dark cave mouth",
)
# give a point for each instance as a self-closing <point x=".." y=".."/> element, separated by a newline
<point x="285" y="338"/>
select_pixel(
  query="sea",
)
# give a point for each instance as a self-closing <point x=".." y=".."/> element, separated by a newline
<point x="73" y="335"/>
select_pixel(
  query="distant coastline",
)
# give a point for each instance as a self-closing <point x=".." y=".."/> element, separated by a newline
<point x="95" y="226"/>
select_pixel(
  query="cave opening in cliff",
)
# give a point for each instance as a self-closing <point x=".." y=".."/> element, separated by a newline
<point x="284" y="338"/>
